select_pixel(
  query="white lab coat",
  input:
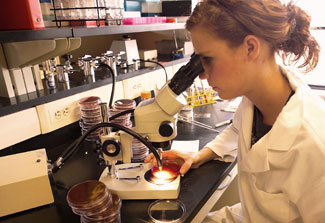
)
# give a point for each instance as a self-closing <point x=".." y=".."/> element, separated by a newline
<point x="282" y="177"/>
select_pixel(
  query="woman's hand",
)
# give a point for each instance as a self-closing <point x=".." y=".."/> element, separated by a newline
<point x="185" y="159"/>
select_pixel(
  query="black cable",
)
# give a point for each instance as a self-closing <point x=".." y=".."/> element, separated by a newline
<point x="75" y="145"/>
<point x="152" y="61"/>
<point x="113" y="80"/>
<point x="120" y="114"/>
<point x="69" y="151"/>
<point x="66" y="153"/>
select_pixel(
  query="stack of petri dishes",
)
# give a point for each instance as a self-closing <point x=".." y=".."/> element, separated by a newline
<point x="139" y="150"/>
<point x="93" y="202"/>
<point x="90" y="115"/>
<point x="120" y="106"/>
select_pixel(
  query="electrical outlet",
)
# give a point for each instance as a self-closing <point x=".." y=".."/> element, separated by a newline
<point x="59" y="113"/>
<point x="146" y="82"/>
<point x="65" y="111"/>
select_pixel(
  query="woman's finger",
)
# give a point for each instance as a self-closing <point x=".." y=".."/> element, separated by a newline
<point x="172" y="154"/>
<point x="186" y="166"/>
<point x="149" y="158"/>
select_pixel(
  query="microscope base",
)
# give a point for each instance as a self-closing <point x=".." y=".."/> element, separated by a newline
<point x="139" y="190"/>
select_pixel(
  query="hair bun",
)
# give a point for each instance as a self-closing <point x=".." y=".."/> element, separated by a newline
<point x="292" y="13"/>
<point x="292" y="27"/>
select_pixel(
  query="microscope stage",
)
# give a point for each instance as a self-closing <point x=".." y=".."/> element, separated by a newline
<point x="141" y="189"/>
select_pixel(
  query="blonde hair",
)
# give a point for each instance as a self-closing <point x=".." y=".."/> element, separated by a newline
<point x="284" y="27"/>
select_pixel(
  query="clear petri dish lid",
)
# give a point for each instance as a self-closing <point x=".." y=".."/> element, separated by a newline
<point x="166" y="210"/>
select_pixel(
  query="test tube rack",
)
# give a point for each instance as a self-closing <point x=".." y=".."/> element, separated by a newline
<point x="200" y="97"/>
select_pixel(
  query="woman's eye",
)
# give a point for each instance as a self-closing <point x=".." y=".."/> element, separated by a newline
<point x="207" y="60"/>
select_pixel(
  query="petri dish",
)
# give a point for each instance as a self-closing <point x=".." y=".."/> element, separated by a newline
<point x="139" y="150"/>
<point x="170" y="171"/>
<point x="90" y="115"/>
<point x="91" y="102"/>
<point x="166" y="210"/>
<point x="124" y="104"/>
<point x="93" y="202"/>
<point x="120" y="106"/>
<point x="88" y="194"/>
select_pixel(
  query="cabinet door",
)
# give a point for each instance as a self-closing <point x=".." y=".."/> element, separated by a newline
<point x="18" y="127"/>
<point x="150" y="81"/>
<point x="105" y="92"/>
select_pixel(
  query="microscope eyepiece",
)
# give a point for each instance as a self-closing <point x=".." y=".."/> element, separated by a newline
<point x="185" y="76"/>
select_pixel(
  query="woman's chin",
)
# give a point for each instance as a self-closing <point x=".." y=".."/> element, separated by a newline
<point x="225" y="96"/>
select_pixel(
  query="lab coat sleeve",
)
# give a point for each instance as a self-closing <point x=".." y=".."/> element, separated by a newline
<point x="312" y="203"/>
<point x="225" y="145"/>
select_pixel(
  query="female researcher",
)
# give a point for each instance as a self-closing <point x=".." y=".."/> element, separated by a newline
<point x="279" y="127"/>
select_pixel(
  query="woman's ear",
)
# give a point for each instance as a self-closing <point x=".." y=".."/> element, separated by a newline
<point x="252" y="46"/>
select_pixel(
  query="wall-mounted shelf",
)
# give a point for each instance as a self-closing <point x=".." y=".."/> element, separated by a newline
<point x="80" y="31"/>
<point x="51" y="33"/>
<point x="27" y="35"/>
<point x="19" y="103"/>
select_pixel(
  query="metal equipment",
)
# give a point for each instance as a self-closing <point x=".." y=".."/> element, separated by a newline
<point x="127" y="45"/>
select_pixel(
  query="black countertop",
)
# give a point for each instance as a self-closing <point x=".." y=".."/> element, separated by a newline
<point x="196" y="186"/>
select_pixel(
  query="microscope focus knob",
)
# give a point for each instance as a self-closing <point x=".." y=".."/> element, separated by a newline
<point x="166" y="129"/>
<point x="111" y="147"/>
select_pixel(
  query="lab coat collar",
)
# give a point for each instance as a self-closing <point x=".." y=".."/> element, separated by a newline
<point x="246" y="122"/>
<point x="279" y="138"/>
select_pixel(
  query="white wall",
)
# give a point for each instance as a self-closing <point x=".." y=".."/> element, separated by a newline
<point x="317" y="76"/>
<point x="313" y="8"/>
<point x="316" y="11"/>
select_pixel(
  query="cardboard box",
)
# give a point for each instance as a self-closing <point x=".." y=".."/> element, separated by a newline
<point x="148" y="55"/>
<point x="167" y="46"/>
<point x="24" y="182"/>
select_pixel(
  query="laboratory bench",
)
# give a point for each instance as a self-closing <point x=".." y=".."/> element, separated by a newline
<point x="196" y="187"/>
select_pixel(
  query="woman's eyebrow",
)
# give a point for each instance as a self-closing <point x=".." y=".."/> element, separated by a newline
<point x="200" y="54"/>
